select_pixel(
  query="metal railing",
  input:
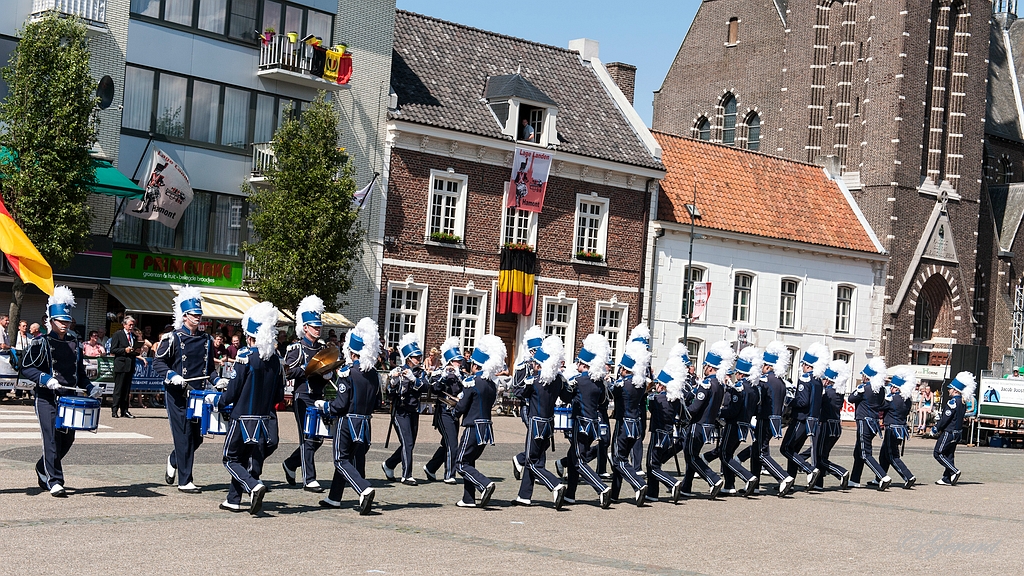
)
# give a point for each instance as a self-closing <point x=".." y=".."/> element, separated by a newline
<point x="262" y="158"/>
<point x="92" y="10"/>
<point x="280" y="52"/>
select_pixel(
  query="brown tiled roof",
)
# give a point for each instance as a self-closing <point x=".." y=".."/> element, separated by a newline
<point x="439" y="70"/>
<point x="752" y="193"/>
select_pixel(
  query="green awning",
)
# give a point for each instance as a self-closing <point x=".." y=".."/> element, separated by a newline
<point x="110" y="181"/>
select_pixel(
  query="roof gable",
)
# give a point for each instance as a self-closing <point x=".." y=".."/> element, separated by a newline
<point x="515" y="86"/>
<point x="756" y="194"/>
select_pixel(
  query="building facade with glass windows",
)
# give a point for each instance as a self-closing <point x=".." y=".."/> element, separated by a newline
<point x="780" y="245"/>
<point x="208" y="82"/>
<point x="452" y="227"/>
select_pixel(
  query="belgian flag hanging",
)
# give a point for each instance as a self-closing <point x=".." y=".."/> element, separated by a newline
<point x="515" y="281"/>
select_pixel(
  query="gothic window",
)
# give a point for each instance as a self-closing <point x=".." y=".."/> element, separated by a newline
<point x="734" y="31"/>
<point x="703" y="129"/>
<point x="1004" y="172"/>
<point x="729" y="119"/>
<point x="753" y="123"/>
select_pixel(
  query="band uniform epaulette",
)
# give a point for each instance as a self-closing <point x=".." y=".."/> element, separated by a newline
<point x="469" y="381"/>
<point x="243" y="356"/>
<point x="167" y="335"/>
<point x="706" y="383"/>
<point x="951" y="403"/>
<point x="343" y="372"/>
<point x="293" y="346"/>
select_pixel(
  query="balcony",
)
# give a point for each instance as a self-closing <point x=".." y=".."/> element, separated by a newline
<point x="92" y="12"/>
<point x="292" y="61"/>
<point x="262" y="159"/>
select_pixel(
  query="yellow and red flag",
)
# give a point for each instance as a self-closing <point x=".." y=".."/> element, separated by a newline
<point x="26" y="261"/>
<point x="515" y="281"/>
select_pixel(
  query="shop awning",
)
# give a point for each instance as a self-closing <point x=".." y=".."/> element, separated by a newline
<point x="331" y="319"/>
<point x="109" y="180"/>
<point x="161" y="301"/>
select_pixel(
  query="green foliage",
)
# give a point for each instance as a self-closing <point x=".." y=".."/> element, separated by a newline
<point x="48" y="117"/>
<point x="308" y="236"/>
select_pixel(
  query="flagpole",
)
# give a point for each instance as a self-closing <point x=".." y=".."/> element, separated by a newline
<point x="120" y="205"/>
<point x="692" y="209"/>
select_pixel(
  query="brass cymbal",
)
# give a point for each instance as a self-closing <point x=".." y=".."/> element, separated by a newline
<point x="325" y="361"/>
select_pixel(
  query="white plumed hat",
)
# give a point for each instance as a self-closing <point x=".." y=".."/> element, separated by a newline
<point x="720" y="355"/>
<point x="550" y="356"/>
<point x="594" y="354"/>
<point x="188" y="301"/>
<point x="260" y="322"/>
<point x="364" y="341"/>
<point x="489" y="355"/>
<point x="636" y="358"/>
<point x="876" y="372"/>
<point x="776" y="354"/>
<point x="966" y="384"/>
<point x="409" y="345"/>
<point x="310" y="311"/>
<point x="905" y="379"/>
<point x="451" y="350"/>
<point x="816" y="356"/>
<point x="58" y="306"/>
<point x="839" y="373"/>
<point x="641" y="333"/>
<point x="673" y="376"/>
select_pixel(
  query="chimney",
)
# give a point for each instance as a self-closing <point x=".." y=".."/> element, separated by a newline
<point x="586" y="47"/>
<point x="624" y="76"/>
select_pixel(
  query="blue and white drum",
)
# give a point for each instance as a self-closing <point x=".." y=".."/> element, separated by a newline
<point x="318" y="425"/>
<point x="215" y="423"/>
<point x="77" y="413"/>
<point x="563" y="418"/>
<point x="196" y="399"/>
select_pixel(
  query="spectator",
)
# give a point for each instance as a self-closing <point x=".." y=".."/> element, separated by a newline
<point x="527" y="133"/>
<point x="236" y="345"/>
<point x="394" y="358"/>
<point x="924" y="408"/>
<point x="220" y="352"/>
<point x="5" y="339"/>
<point x="126" y="346"/>
<point x="92" y="347"/>
<point x="21" y="344"/>
<point x="34" y="330"/>
<point x="282" y="342"/>
<point x="43" y="327"/>
<point x="433" y="361"/>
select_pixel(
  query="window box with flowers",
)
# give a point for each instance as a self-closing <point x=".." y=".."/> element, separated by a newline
<point x="445" y="238"/>
<point x="589" y="256"/>
<point x="520" y="246"/>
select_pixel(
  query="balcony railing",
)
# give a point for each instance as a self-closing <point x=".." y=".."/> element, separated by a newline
<point x="94" y="11"/>
<point x="282" y="59"/>
<point x="262" y="158"/>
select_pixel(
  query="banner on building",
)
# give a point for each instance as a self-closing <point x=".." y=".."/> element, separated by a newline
<point x="530" y="170"/>
<point x="168" y="192"/>
<point x="337" y="65"/>
<point x="1001" y="397"/>
<point x="136" y="265"/>
<point x="515" y="281"/>
<point x="701" y="293"/>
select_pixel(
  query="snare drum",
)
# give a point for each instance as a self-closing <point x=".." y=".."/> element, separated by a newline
<point x="77" y="413"/>
<point x="214" y="423"/>
<point x="315" y="427"/>
<point x="196" y="400"/>
<point x="563" y="418"/>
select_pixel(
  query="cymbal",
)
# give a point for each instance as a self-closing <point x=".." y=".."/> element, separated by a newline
<point x="325" y="361"/>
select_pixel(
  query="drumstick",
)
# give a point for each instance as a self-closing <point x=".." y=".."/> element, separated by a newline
<point x="75" y="390"/>
<point x="196" y="378"/>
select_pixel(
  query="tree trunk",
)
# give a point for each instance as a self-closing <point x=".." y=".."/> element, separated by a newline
<point x="17" y="297"/>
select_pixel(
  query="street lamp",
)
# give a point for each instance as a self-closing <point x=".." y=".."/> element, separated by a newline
<point x="688" y="283"/>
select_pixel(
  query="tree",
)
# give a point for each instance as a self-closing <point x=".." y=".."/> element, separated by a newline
<point x="307" y="231"/>
<point x="48" y="114"/>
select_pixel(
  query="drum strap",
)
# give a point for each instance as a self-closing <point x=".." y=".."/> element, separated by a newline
<point x="254" y="429"/>
<point x="358" y="425"/>
<point x="484" y="432"/>
<point x="541" y="427"/>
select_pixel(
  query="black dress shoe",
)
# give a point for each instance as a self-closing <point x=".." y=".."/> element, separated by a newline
<point x="114" y="415"/>
<point x="128" y="415"/>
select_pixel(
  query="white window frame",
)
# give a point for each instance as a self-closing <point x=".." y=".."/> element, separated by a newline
<point x="421" y="314"/>
<point x="531" y="227"/>
<point x="460" y="207"/>
<point x="570" y="328"/>
<point x="750" y="301"/>
<point x="849" y="356"/>
<point x="796" y="303"/>
<point x="794" y="363"/>
<point x="686" y="294"/>
<point x="849" y="311"/>
<point x="623" y="330"/>
<point x="480" y="316"/>
<point x="693" y="351"/>
<point x="602" y="233"/>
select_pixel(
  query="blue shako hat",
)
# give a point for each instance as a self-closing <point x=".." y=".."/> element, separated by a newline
<point x="409" y="345"/>
<point x="450" y="350"/>
<point x="310" y="311"/>
<point x="58" y="306"/>
<point x="830" y="374"/>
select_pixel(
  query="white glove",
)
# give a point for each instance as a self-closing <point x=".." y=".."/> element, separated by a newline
<point x="321" y="405"/>
<point x="860" y="389"/>
<point x="97" y="392"/>
<point x="210" y="399"/>
<point x="221" y="383"/>
<point x="178" y="380"/>
<point x="753" y="422"/>
<point x="461" y="394"/>
<point x="49" y="381"/>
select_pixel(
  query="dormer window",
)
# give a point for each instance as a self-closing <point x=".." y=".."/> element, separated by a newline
<point x="522" y="111"/>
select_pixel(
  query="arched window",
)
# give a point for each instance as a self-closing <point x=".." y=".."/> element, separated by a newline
<point x="703" y="128"/>
<point x="923" y="320"/>
<point x="1004" y="172"/>
<point x="753" y="123"/>
<point x="729" y="119"/>
<point x="734" y="31"/>
<point x="741" y="297"/>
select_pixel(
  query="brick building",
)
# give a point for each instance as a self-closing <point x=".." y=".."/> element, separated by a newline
<point x="888" y="96"/>
<point x="462" y="97"/>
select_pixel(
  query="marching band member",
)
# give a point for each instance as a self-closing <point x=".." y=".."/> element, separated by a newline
<point x="641" y="333"/>
<point x="806" y="412"/>
<point x="897" y="408"/>
<point x="524" y="370"/>
<point x="405" y="385"/>
<point x="868" y="398"/>
<point x="446" y="381"/>
<point x="769" y="417"/>
<point x="54" y="361"/>
<point x="835" y="377"/>
<point x="542" y="391"/>
<point x="629" y="391"/>
<point x="704" y="408"/>
<point x="590" y="393"/>
<point x="475" y="402"/>
<point x="358" y="396"/>
<point x="664" y="405"/>
<point x="950" y="426"/>
<point x="307" y="390"/>
<point x="739" y="405"/>
<point x="257" y="386"/>
<point x="185" y="359"/>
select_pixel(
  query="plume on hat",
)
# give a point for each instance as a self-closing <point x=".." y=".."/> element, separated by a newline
<point x="819" y="351"/>
<point x="532" y="333"/>
<point x="366" y="330"/>
<point x="778" y="348"/>
<point x="555" y="351"/>
<point x="452" y="342"/>
<point x="186" y="293"/>
<point x="410" y="338"/>
<point x="753" y="355"/>
<point x="970" y="385"/>
<point x="598" y="345"/>
<point x="569" y="371"/>
<point x="265" y="314"/>
<point x="724" y="351"/>
<point x="641" y="333"/>
<point x="843" y="372"/>
<point x="494" y="348"/>
<point x="878" y="380"/>
<point x="679" y="350"/>
<point x="641" y="361"/>
<point x="678" y="371"/>
<point x="61" y="295"/>
<point x="311" y="303"/>
<point x="909" y="381"/>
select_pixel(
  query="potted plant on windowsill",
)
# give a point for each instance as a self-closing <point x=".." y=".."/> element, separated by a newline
<point x="589" y="256"/>
<point x="445" y="238"/>
<point x="520" y="246"/>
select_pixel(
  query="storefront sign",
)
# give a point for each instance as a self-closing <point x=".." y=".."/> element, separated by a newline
<point x="177" y="269"/>
<point x="923" y="372"/>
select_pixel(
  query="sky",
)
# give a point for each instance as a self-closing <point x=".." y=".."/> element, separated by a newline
<point x="644" y="33"/>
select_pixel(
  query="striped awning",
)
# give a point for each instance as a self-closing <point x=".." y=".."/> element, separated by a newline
<point x="161" y="301"/>
<point x="331" y="319"/>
